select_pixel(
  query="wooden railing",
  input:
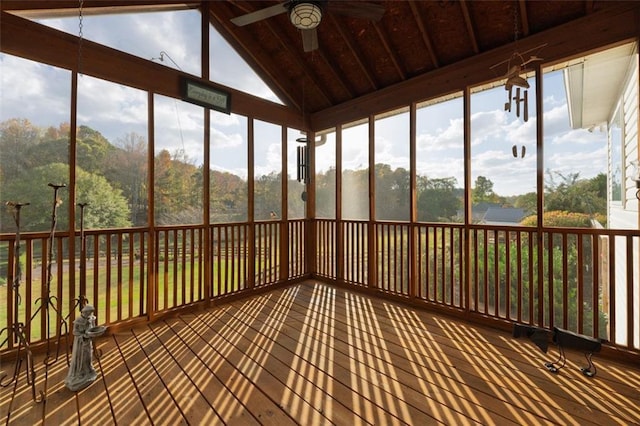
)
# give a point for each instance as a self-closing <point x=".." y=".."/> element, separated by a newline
<point x="584" y="280"/>
<point x="129" y="274"/>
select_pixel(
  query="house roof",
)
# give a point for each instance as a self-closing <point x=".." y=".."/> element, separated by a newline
<point x="593" y="85"/>
<point x="416" y="49"/>
<point x="502" y="215"/>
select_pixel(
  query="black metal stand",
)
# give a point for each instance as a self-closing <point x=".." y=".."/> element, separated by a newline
<point x="568" y="339"/>
<point x="47" y="302"/>
<point x="16" y="329"/>
<point x="563" y="339"/>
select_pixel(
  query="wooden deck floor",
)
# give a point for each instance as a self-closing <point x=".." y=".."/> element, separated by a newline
<point x="314" y="354"/>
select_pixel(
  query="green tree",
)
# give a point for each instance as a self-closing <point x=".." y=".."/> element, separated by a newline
<point x="437" y="199"/>
<point x="572" y="194"/>
<point x="528" y="202"/>
<point x="267" y="196"/>
<point x="17" y="137"/>
<point x="392" y="193"/>
<point x="483" y="191"/>
<point x="107" y="207"/>
<point x="178" y="189"/>
<point x="132" y="174"/>
<point x="326" y="194"/>
<point x="228" y="197"/>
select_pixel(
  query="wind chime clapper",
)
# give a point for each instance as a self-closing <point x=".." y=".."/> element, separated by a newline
<point x="16" y="330"/>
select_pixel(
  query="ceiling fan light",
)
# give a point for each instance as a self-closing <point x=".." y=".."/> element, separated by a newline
<point x="305" y="16"/>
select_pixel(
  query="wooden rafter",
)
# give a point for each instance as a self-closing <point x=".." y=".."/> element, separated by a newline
<point x="341" y="71"/>
<point x="355" y="52"/>
<point x="339" y="78"/>
<point x="390" y="52"/>
<point x="262" y="66"/>
<point x="424" y="33"/>
<point x="469" y="24"/>
<point x="524" y="19"/>
<point x="306" y="70"/>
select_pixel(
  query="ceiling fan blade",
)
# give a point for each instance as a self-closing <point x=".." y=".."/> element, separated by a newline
<point x="309" y="40"/>
<point x="362" y="10"/>
<point x="259" y="15"/>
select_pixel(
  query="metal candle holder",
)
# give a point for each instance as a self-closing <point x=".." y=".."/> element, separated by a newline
<point x="16" y="329"/>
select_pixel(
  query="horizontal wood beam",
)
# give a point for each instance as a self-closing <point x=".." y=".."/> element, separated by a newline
<point x="59" y="8"/>
<point x="597" y="30"/>
<point x="30" y="40"/>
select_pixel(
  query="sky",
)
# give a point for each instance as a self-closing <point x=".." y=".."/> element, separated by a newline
<point x="117" y="111"/>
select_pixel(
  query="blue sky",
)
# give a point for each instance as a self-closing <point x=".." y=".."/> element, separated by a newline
<point x="116" y="111"/>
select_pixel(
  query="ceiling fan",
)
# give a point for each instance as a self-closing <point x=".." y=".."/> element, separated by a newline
<point x="307" y="14"/>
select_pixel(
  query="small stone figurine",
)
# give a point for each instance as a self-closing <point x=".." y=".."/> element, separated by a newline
<point x="81" y="371"/>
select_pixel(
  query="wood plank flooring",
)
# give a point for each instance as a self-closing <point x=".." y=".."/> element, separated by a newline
<point x="313" y="354"/>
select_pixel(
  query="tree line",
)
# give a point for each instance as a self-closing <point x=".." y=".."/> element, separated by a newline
<point x="113" y="179"/>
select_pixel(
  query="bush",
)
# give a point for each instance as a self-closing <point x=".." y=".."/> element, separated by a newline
<point x="561" y="219"/>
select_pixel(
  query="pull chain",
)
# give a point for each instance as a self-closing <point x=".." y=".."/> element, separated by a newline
<point x="80" y="38"/>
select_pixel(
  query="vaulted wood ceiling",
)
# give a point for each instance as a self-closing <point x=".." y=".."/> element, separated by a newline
<point x="358" y="58"/>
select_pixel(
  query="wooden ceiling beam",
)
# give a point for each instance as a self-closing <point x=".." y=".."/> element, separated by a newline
<point x="292" y="53"/>
<point x="61" y="8"/>
<point x="524" y="18"/>
<point x="607" y="27"/>
<point x="390" y="52"/>
<point x="262" y="65"/>
<point x="306" y="70"/>
<point x="469" y="24"/>
<point x="338" y="78"/>
<point x="30" y="40"/>
<point x="355" y="52"/>
<point x="424" y="33"/>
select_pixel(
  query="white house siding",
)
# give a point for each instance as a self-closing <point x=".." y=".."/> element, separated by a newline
<point x="625" y="215"/>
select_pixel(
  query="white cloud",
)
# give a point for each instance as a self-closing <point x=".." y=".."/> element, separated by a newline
<point x="580" y="137"/>
<point x="221" y="140"/>
<point x="442" y="139"/>
<point x="487" y="126"/>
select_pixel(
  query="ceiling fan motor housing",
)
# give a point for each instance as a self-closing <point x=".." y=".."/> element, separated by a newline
<point x="305" y="15"/>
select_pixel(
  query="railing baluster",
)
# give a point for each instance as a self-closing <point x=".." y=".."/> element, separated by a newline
<point x="578" y="270"/>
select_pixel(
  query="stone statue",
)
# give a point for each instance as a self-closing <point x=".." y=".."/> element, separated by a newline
<point x="81" y="371"/>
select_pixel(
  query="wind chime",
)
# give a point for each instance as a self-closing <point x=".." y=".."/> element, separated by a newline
<point x="516" y="85"/>
<point x="516" y="65"/>
<point x="302" y="155"/>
